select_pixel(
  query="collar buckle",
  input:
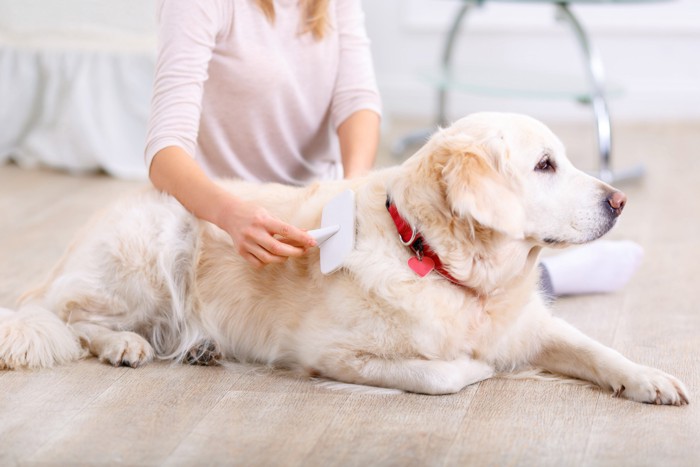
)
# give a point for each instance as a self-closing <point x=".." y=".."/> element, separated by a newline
<point x="409" y="242"/>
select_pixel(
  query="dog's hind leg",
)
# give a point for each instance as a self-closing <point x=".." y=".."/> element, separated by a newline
<point x="205" y="353"/>
<point x="567" y="351"/>
<point x="119" y="348"/>
<point x="412" y="375"/>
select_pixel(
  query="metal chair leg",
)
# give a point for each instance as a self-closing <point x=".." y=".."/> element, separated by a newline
<point x="420" y="136"/>
<point x="594" y="70"/>
<point x="446" y="71"/>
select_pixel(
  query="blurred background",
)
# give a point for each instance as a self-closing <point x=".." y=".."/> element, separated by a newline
<point x="75" y="86"/>
<point x="650" y="51"/>
<point x="76" y="75"/>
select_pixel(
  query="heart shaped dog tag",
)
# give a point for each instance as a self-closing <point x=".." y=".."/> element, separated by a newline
<point x="422" y="268"/>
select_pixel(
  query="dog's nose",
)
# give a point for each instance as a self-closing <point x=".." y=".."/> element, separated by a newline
<point x="617" y="200"/>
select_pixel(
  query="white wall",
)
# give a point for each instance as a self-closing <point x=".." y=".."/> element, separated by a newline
<point x="651" y="51"/>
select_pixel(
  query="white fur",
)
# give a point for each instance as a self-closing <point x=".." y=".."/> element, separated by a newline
<point x="147" y="279"/>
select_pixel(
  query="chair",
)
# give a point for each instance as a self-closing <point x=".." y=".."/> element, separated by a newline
<point x="596" y="96"/>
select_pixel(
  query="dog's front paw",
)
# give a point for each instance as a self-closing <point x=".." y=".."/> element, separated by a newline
<point x="125" y="349"/>
<point x="651" y="386"/>
<point x="461" y="373"/>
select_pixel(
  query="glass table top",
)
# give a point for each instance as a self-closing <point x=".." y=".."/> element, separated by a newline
<point x="517" y="83"/>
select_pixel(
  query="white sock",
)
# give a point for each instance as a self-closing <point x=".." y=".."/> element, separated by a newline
<point x="598" y="267"/>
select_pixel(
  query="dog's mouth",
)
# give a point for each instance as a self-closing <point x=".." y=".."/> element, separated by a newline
<point x="553" y="241"/>
<point x="586" y="236"/>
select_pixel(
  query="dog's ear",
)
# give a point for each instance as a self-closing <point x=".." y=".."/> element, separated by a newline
<point x="478" y="185"/>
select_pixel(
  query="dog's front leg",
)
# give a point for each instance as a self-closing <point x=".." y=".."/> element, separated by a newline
<point x="567" y="351"/>
<point x="119" y="348"/>
<point x="412" y="375"/>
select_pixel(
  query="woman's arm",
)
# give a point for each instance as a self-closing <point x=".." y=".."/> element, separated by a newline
<point x="356" y="106"/>
<point x="187" y="33"/>
<point x="359" y="139"/>
<point x="250" y="226"/>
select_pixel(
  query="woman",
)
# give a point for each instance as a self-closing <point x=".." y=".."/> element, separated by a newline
<point x="281" y="91"/>
<point x="256" y="90"/>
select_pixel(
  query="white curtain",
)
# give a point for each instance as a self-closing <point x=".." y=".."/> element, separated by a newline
<point x="75" y="95"/>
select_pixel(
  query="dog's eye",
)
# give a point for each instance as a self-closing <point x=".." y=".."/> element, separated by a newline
<point x="545" y="164"/>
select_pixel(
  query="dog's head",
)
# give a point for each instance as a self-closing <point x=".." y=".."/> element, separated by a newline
<point x="509" y="173"/>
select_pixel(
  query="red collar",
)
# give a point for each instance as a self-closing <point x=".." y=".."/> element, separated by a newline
<point x="413" y="239"/>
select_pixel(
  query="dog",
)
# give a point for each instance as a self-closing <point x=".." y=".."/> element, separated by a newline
<point x="440" y="292"/>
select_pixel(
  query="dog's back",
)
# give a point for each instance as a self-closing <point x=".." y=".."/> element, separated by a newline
<point x="147" y="266"/>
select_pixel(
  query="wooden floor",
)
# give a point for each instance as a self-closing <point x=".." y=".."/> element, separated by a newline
<point x="88" y="413"/>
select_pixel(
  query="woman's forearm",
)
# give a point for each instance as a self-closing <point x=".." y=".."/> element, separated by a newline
<point x="176" y="173"/>
<point x="359" y="139"/>
<point x="258" y="237"/>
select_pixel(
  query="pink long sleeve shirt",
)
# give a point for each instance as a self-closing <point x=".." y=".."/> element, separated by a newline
<point x="256" y="100"/>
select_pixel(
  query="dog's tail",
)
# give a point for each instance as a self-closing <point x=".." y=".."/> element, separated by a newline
<point x="34" y="337"/>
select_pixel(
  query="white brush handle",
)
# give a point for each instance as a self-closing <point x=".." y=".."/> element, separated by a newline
<point x="324" y="233"/>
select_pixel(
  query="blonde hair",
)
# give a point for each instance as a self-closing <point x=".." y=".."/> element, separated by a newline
<point x="314" y="14"/>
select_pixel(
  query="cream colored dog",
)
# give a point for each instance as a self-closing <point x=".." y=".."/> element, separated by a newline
<point x="477" y="203"/>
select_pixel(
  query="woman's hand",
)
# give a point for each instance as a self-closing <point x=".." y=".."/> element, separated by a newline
<point x="260" y="238"/>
